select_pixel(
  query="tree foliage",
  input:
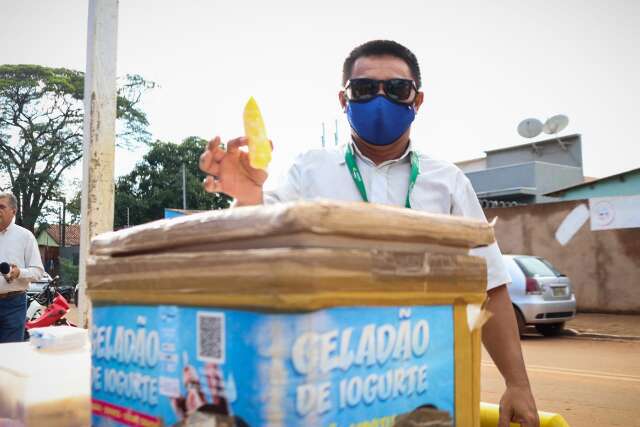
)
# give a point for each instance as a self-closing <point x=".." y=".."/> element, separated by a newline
<point x="156" y="183"/>
<point x="41" y="130"/>
<point x="68" y="272"/>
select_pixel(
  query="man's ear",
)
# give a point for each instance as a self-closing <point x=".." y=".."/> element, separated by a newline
<point x="418" y="101"/>
<point x="343" y="100"/>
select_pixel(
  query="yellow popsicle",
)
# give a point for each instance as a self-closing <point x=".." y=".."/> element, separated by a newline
<point x="489" y="415"/>
<point x="259" y="145"/>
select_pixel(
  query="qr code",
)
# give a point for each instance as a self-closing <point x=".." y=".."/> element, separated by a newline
<point x="210" y="335"/>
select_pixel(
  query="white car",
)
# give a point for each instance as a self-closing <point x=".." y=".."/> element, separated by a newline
<point x="541" y="295"/>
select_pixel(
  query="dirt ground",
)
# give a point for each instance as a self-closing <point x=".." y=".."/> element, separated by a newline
<point x="590" y="382"/>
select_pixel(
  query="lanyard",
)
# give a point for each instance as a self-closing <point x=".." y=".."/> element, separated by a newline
<point x="357" y="178"/>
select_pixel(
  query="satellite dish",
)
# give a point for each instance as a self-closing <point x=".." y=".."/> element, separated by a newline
<point x="530" y="128"/>
<point x="555" y="124"/>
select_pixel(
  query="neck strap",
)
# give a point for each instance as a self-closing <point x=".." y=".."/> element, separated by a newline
<point x="357" y="177"/>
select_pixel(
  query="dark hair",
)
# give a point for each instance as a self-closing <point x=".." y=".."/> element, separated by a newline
<point x="380" y="48"/>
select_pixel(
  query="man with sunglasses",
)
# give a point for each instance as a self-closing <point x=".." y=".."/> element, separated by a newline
<point x="381" y="96"/>
<point x="18" y="249"/>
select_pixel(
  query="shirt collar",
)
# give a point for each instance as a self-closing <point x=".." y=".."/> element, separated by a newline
<point x="403" y="157"/>
<point x="6" y="230"/>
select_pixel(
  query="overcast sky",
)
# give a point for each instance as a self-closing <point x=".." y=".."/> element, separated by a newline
<point x="486" y="65"/>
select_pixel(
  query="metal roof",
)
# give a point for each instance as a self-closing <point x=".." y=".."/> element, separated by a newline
<point x="554" y="140"/>
<point x="556" y="193"/>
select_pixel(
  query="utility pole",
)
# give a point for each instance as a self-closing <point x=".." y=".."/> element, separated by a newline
<point x="323" y="140"/>
<point x="99" y="134"/>
<point x="184" y="188"/>
<point x="60" y="231"/>
<point x="63" y="234"/>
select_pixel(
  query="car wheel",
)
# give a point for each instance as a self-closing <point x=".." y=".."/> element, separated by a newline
<point x="550" y="329"/>
<point x="520" y="320"/>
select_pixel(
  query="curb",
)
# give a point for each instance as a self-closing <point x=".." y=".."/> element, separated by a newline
<point x="578" y="334"/>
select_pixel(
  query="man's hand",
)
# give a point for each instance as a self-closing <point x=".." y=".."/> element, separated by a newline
<point x="517" y="406"/>
<point x="229" y="172"/>
<point x="13" y="274"/>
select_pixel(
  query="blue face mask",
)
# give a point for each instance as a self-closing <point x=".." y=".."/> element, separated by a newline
<point x="380" y="121"/>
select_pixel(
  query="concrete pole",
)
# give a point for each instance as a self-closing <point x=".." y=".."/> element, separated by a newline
<point x="99" y="134"/>
<point x="184" y="188"/>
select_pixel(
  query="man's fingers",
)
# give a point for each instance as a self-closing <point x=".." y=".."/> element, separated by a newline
<point x="212" y="185"/>
<point x="214" y="148"/>
<point x="505" y="416"/>
<point x="245" y="161"/>
<point x="258" y="176"/>
<point x="212" y="154"/>
<point x="212" y="168"/>
<point x="206" y="159"/>
<point x="530" y="421"/>
<point x="235" y="144"/>
<point x="213" y="143"/>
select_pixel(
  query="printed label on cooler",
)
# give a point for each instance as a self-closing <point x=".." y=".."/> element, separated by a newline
<point x="339" y="367"/>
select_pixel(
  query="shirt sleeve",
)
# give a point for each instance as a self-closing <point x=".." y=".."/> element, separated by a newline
<point x="290" y="188"/>
<point x="465" y="203"/>
<point x="33" y="268"/>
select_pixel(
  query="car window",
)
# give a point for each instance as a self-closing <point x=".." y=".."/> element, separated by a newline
<point x="555" y="270"/>
<point x="532" y="266"/>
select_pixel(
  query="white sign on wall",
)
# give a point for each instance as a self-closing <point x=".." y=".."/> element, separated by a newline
<point x="572" y="223"/>
<point x="608" y="213"/>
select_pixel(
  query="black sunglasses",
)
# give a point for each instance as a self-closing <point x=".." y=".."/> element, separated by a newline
<point x="399" y="90"/>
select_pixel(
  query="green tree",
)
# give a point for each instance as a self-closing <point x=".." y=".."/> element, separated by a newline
<point x="74" y="208"/>
<point x="41" y="130"/>
<point x="68" y="272"/>
<point x="156" y="183"/>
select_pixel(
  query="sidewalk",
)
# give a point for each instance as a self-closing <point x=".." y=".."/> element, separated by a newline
<point x="610" y="325"/>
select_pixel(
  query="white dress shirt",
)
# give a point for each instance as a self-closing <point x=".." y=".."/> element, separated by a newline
<point x="440" y="188"/>
<point x="18" y="246"/>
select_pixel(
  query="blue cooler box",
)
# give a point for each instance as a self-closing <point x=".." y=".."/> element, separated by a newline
<point x="196" y="323"/>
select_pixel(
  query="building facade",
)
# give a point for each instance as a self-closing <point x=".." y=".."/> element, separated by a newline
<point x="525" y="174"/>
<point x="52" y="248"/>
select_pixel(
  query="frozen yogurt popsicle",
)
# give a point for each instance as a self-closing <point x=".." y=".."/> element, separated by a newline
<point x="259" y="145"/>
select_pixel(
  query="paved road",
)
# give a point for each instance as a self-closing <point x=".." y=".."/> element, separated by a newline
<point x="589" y="382"/>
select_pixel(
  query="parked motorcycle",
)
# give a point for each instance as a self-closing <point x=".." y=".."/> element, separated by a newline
<point x="48" y="308"/>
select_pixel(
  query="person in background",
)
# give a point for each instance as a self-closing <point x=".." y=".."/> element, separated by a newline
<point x="380" y="164"/>
<point x="19" y="249"/>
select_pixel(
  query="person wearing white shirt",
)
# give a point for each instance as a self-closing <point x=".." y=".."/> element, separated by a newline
<point x="19" y="249"/>
<point x="381" y="96"/>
